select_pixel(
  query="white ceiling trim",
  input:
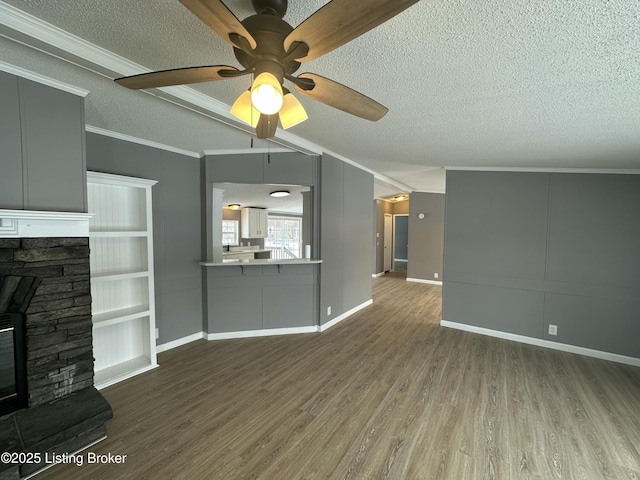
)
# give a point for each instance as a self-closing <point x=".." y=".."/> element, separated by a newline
<point x="612" y="171"/>
<point x="36" y="77"/>
<point x="440" y="192"/>
<point x="379" y="177"/>
<point x="33" y="32"/>
<point x="140" y="141"/>
<point x="246" y="150"/>
<point x="96" y="59"/>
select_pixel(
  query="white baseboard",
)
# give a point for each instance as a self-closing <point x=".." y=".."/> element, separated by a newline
<point x="339" y="318"/>
<point x="421" y="280"/>
<point x="260" y="333"/>
<point x="179" y="342"/>
<point x="588" y="352"/>
<point x="376" y="275"/>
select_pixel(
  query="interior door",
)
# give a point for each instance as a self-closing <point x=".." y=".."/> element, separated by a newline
<point x="388" y="232"/>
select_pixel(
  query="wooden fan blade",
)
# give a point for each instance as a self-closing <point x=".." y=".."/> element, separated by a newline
<point x="340" y="21"/>
<point x="177" y="76"/>
<point x="267" y="126"/>
<point x="343" y="98"/>
<point x="219" y="19"/>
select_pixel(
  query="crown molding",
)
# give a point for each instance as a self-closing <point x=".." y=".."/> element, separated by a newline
<point x="140" y="141"/>
<point x="247" y="150"/>
<point x="381" y="179"/>
<point x="36" y="77"/>
<point x="439" y="192"/>
<point x="613" y="171"/>
<point x="35" y="33"/>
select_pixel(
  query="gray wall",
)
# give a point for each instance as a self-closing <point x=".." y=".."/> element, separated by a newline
<point x="176" y="226"/>
<point x="525" y="250"/>
<point x="346" y="229"/>
<point x="259" y="297"/>
<point x="41" y="147"/>
<point x="426" y="236"/>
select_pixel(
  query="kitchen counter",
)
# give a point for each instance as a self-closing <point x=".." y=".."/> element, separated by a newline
<point x="259" y="262"/>
<point x="249" y="250"/>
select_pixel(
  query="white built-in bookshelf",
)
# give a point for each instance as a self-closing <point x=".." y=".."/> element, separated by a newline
<point x="122" y="288"/>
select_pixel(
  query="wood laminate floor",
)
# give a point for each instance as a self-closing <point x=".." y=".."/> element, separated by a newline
<point x="386" y="394"/>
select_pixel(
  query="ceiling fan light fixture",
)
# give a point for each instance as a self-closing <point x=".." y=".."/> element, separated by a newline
<point x="266" y="94"/>
<point x="244" y="110"/>
<point x="292" y="111"/>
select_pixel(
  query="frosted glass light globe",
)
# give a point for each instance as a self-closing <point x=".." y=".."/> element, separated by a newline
<point x="266" y="94"/>
<point x="266" y="99"/>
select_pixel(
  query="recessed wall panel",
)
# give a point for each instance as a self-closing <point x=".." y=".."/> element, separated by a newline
<point x="496" y="223"/>
<point x="496" y="308"/>
<point x="10" y="144"/>
<point x="605" y="324"/>
<point x="595" y="229"/>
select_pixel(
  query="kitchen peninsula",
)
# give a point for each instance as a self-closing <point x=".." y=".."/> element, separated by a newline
<point x="250" y="295"/>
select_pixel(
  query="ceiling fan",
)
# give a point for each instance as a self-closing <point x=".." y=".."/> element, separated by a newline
<point x="270" y="49"/>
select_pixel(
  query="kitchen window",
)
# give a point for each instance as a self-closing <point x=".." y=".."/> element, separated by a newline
<point x="230" y="232"/>
<point x="284" y="237"/>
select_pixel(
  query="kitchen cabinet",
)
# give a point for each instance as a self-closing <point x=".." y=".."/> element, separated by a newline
<point x="253" y="223"/>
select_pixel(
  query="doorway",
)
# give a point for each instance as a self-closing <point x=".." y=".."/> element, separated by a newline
<point x="388" y="241"/>
<point x="400" y="242"/>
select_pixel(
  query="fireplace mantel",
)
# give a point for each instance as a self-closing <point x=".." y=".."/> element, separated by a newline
<point x="37" y="224"/>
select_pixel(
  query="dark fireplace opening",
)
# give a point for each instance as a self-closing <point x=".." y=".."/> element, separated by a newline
<point x="13" y="363"/>
<point x="16" y="292"/>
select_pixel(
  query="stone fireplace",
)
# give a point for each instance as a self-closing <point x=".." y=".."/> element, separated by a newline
<point x="44" y="277"/>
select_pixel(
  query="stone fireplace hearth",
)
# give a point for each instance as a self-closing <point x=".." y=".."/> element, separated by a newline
<point x="47" y="280"/>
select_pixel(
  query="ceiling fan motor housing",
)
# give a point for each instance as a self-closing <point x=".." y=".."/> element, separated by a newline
<point x="269" y="32"/>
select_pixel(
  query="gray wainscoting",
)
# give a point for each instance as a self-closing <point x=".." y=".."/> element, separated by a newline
<point x="526" y="250"/>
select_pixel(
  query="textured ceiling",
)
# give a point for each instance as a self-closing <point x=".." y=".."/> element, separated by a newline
<point x="495" y="83"/>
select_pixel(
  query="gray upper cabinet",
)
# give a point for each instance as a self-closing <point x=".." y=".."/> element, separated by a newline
<point x="42" y="147"/>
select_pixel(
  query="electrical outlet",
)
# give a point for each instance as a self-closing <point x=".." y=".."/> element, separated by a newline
<point x="157" y="333"/>
<point x="435" y="275"/>
<point x="553" y="329"/>
<point x="328" y="310"/>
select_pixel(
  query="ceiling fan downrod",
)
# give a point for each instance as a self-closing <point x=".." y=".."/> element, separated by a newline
<point x="270" y="7"/>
